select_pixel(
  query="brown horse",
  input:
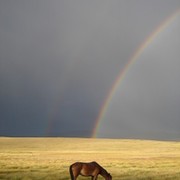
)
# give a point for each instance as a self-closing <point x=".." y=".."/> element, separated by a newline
<point x="92" y="169"/>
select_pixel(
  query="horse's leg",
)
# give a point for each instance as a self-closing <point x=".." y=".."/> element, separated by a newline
<point x="76" y="174"/>
<point x="94" y="177"/>
<point x="73" y="174"/>
<point x="74" y="177"/>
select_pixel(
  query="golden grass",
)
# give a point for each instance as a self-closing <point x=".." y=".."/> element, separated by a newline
<point x="49" y="158"/>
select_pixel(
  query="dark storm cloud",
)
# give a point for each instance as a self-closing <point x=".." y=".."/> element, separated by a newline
<point x="58" y="59"/>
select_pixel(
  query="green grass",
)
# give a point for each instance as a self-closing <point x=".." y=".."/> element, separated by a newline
<point x="49" y="158"/>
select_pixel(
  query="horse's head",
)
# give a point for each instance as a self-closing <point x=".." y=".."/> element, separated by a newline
<point x="109" y="177"/>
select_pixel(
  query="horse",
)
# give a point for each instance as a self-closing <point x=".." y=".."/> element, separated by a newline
<point x="92" y="169"/>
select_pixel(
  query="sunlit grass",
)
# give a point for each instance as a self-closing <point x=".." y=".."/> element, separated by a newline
<point x="49" y="158"/>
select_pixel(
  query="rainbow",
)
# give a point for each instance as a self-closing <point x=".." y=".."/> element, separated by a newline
<point x="131" y="61"/>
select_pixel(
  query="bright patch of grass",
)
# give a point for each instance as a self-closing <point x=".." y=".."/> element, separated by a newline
<point x="49" y="158"/>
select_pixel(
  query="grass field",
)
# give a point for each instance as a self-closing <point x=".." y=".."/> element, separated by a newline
<point x="49" y="158"/>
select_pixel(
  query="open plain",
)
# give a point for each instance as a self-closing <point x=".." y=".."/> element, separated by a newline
<point x="50" y="158"/>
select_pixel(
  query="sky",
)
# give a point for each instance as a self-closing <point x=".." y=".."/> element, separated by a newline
<point x="59" y="60"/>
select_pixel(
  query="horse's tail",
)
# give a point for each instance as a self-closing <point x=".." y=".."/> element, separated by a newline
<point x="71" y="172"/>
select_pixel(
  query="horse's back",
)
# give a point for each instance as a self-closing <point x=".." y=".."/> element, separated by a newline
<point x="80" y="164"/>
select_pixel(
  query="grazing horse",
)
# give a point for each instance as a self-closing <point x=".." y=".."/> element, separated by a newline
<point x="92" y="169"/>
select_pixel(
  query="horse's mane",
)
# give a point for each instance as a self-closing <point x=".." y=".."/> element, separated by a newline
<point x="102" y="169"/>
